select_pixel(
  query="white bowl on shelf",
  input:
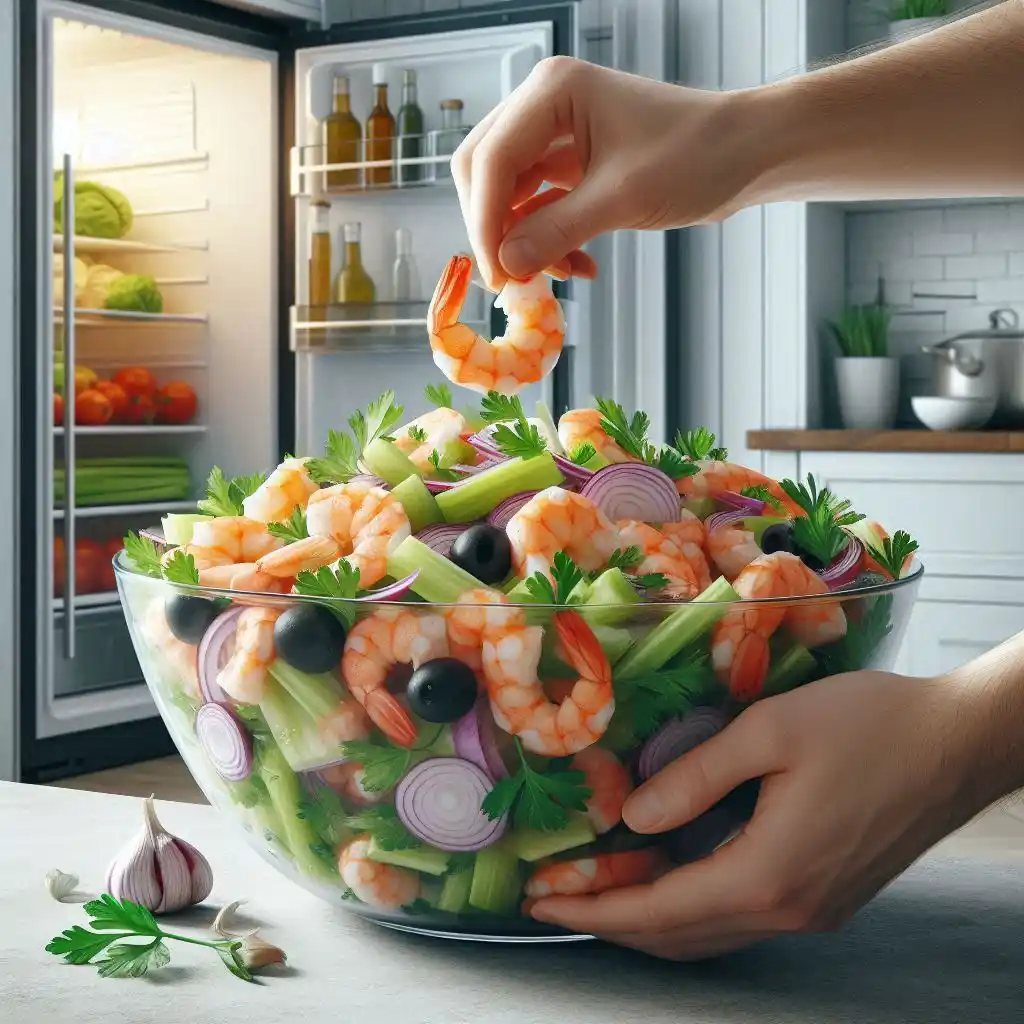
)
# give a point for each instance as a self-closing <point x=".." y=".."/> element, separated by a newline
<point x="939" y="413"/>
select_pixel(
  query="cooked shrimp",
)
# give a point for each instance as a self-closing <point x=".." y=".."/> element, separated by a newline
<point x="347" y="722"/>
<point x="732" y="549"/>
<point x="511" y="654"/>
<point x="363" y="520"/>
<point x="524" y="355"/>
<point x="588" y="875"/>
<point x="659" y="554"/>
<point x="244" y="677"/>
<point x="715" y="477"/>
<point x="469" y="620"/>
<point x="869" y="564"/>
<point x="389" y="637"/>
<point x="285" y="490"/>
<point x="306" y="555"/>
<point x="609" y="784"/>
<point x="583" y="426"/>
<point x="439" y="427"/>
<point x="347" y="781"/>
<point x="180" y="657"/>
<point x="739" y="641"/>
<point x="228" y="540"/>
<point x="244" y="576"/>
<point x="558" y="520"/>
<point x="379" y="885"/>
<point x="691" y="537"/>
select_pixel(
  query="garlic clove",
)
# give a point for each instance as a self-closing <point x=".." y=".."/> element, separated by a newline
<point x="60" y="885"/>
<point x="199" y="869"/>
<point x="220" y="922"/>
<point x="256" y="952"/>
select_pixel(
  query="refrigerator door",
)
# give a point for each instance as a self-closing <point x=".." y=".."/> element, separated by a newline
<point x="346" y="354"/>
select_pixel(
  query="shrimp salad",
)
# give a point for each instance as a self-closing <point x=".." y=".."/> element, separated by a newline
<point x="429" y="665"/>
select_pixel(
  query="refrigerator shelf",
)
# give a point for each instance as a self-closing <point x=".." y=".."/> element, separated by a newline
<point x="109" y="317"/>
<point x="123" y="246"/>
<point x="107" y="599"/>
<point x="136" y="430"/>
<point x="310" y="174"/>
<point x="151" y="508"/>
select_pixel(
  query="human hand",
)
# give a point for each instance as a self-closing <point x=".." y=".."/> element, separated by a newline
<point x="861" y="774"/>
<point x="620" y="151"/>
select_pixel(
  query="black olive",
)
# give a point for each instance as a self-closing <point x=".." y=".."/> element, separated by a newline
<point x="484" y="552"/>
<point x="442" y="690"/>
<point x="189" y="617"/>
<point x="778" y="537"/>
<point x="310" y="637"/>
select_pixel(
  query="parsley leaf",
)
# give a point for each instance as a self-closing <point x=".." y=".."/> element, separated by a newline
<point x="582" y="453"/>
<point x="293" y="529"/>
<point x="142" y="553"/>
<point x="761" y="493"/>
<point x="564" y="572"/>
<point x="895" y="551"/>
<point x="133" y="960"/>
<point x="332" y="585"/>
<point x="496" y="407"/>
<point x="625" y="559"/>
<point x="537" y="800"/>
<point x="181" y="568"/>
<point x="108" y="914"/>
<point x="417" y="434"/>
<point x="78" y="945"/>
<point x="441" y="471"/>
<point x="340" y="461"/>
<point x="439" y="394"/>
<point x="819" y="533"/>
<point x="699" y="444"/>
<point x="674" y="465"/>
<point x="326" y="814"/>
<point x="630" y="434"/>
<point x="858" y="648"/>
<point x="385" y="826"/>
<point x="522" y="441"/>
<point x="382" y="766"/>
<point x="224" y="497"/>
<point x="380" y="416"/>
<point x="646" y="701"/>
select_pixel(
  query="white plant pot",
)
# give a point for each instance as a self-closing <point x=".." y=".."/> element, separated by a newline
<point x="908" y="27"/>
<point x="869" y="392"/>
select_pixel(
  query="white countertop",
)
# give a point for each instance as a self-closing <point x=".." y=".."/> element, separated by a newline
<point x="942" y="945"/>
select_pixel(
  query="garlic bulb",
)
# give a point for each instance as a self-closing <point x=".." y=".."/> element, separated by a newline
<point x="159" y="871"/>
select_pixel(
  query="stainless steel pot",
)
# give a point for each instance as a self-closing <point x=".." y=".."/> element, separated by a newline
<point x="984" y="364"/>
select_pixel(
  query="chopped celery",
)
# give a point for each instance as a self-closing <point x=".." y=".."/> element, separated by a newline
<point x="546" y="424"/>
<point x="478" y="495"/>
<point x="296" y="731"/>
<point x="420" y="858"/>
<point x="700" y="507"/>
<point x="386" y="460"/>
<point x="455" y="892"/>
<point x="178" y="528"/>
<point x="418" y="503"/>
<point x="611" y="599"/>
<point x="789" y="669"/>
<point x="580" y="594"/>
<point x="596" y="461"/>
<point x="679" y="629"/>
<point x="496" y="884"/>
<point x="758" y="524"/>
<point x="614" y="641"/>
<point x="532" y="844"/>
<point x="319" y="695"/>
<point x="440" y="581"/>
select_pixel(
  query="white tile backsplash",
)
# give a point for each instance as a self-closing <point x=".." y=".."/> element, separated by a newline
<point x="975" y="267"/>
<point x="938" y="244"/>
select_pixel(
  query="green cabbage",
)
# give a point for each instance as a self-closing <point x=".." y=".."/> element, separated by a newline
<point x="100" y="211"/>
<point x="135" y="292"/>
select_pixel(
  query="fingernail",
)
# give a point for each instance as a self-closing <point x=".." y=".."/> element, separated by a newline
<point x="519" y="255"/>
<point x="539" y="912"/>
<point x="643" y="811"/>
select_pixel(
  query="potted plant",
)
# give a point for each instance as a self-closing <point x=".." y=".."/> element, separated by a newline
<point x="912" y="17"/>
<point x="867" y="378"/>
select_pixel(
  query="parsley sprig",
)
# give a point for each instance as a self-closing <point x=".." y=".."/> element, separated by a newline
<point x="439" y="395"/>
<point x="630" y="434"/>
<point x="113" y="921"/>
<point x="224" y="497"/>
<point x="332" y="585"/>
<point x="340" y="461"/>
<point x="383" y="767"/>
<point x="565" y="575"/>
<point x="820" y="532"/>
<point x="538" y="800"/>
<point x="582" y="453"/>
<point x="761" y="493"/>
<point x="380" y="417"/>
<point x="625" y="559"/>
<point x="143" y="555"/>
<point x="514" y="435"/>
<point x="181" y="568"/>
<point x="292" y="529"/>
<point x="495" y="407"/>
<point x="859" y="646"/>
<point x="894" y="552"/>
<point x="700" y="444"/>
<point x="418" y="434"/>
<point x="648" y="700"/>
<point x="385" y="826"/>
<point x="442" y="467"/>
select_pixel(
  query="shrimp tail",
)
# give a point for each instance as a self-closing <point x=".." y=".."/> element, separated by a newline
<point x="390" y="717"/>
<point x="450" y="295"/>
<point x="582" y="649"/>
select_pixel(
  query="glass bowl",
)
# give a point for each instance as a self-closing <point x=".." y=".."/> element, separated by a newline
<point x="453" y="826"/>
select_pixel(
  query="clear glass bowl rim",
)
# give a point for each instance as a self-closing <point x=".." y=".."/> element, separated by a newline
<point x="125" y="569"/>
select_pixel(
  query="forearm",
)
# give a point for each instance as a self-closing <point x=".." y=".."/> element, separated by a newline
<point x="940" y="115"/>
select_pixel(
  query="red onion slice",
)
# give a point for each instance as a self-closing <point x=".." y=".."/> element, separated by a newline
<point x="225" y="740"/>
<point x="730" y="500"/>
<point x="721" y="519"/>
<point x="503" y="512"/>
<point x="845" y="566"/>
<point x="573" y="473"/>
<point x="482" y="442"/>
<point x="441" y="536"/>
<point x="156" y="535"/>
<point x="392" y="591"/>
<point x="437" y="486"/>
<point x="474" y="740"/>
<point x="215" y="649"/>
<point x="679" y="736"/>
<point x="634" y="490"/>
<point x="439" y="801"/>
<point x="370" y="479"/>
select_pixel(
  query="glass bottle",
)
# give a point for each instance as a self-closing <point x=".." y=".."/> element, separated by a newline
<point x="380" y="131"/>
<point x="448" y="137"/>
<point x="354" y="284"/>
<point x="410" y="130"/>
<point x="320" y="255"/>
<point x="343" y="137"/>
<point x="405" y="277"/>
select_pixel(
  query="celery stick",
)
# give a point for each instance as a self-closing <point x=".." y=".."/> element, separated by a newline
<point x="439" y="581"/>
<point x="389" y="462"/>
<point x="611" y="599"/>
<point x="296" y="731"/>
<point x="318" y="695"/>
<point x="478" y="495"/>
<point x="789" y="669"/>
<point x="496" y="883"/>
<point x="455" y="892"/>
<point x="418" y="502"/>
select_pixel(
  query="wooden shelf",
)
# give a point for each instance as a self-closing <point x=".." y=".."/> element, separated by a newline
<point x="941" y="441"/>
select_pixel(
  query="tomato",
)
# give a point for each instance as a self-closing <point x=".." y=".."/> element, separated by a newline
<point x="58" y="566"/>
<point x="58" y="410"/>
<point x="136" y="381"/>
<point x="116" y="396"/>
<point x="90" y="567"/>
<point x="141" y="409"/>
<point x="175" y="403"/>
<point x="92" y="409"/>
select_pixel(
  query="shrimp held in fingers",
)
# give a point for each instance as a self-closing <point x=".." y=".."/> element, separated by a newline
<point x="524" y="355"/>
<point x="589" y="875"/>
<point x="378" y="885"/>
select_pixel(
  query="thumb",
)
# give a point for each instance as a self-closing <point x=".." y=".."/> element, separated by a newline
<point x="695" y="782"/>
<point x="556" y="228"/>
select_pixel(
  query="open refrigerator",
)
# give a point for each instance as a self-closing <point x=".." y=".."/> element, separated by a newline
<point x="210" y="123"/>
